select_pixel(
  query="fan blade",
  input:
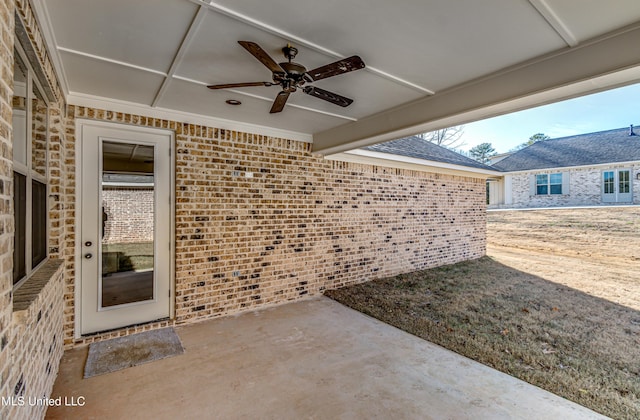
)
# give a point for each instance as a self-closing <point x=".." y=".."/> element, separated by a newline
<point x="334" y="98"/>
<point x="339" y="67"/>
<point x="261" y="55"/>
<point x="278" y="104"/>
<point x="236" y="85"/>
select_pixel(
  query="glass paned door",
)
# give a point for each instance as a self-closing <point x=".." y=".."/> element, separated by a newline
<point x="125" y="245"/>
<point x="617" y="186"/>
<point x="624" y="186"/>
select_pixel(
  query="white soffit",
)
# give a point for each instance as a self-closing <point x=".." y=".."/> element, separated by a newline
<point x="234" y="63"/>
<point x="429" y="63"/>
<point x="432" y="44"/>
<point x="608" y="62"/>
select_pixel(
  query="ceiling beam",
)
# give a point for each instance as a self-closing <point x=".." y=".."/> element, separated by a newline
<point x="546" y="79"/>
<point x="112" y="61"/>
<point x="193" y="28"/>
<point x="554" y="21"/>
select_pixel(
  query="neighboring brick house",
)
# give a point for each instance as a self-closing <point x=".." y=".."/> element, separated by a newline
<point x="591" y="169"/>
<point x="253" y="220"/>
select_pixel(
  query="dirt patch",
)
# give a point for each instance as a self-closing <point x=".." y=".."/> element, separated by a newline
<point x="596" y="251"/>
<point x="556" y="303"/>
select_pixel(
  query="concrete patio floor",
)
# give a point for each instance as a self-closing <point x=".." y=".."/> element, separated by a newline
<point x="310" y="359"/>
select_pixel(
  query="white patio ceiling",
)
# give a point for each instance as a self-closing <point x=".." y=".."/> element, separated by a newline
<point x="429" y="63"/>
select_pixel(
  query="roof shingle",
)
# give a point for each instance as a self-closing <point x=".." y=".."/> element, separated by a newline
<point x="585" y="149"/>
<point x="418" y="148"/>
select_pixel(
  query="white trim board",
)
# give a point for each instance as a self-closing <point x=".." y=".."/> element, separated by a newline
<point x="406" y="162"/>
<point x="98" y="102"/>
<point x="569" y="168"/>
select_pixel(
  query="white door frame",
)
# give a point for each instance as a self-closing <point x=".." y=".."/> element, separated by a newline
<point x="81" y="126"/>
<point x="616" y="196"/>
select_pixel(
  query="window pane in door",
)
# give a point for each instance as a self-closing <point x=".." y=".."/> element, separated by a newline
<point x="127" y="223"/>
<point x="608" y="183"/>
<point x="624" y="184"/>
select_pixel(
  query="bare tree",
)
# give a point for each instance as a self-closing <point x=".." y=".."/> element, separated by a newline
<point x="447" y="137"/>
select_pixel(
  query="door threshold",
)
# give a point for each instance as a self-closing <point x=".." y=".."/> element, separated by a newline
<point x="93" y="334"/>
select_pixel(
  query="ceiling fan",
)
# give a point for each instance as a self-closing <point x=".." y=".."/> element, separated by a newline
<point x="291" y="76"/>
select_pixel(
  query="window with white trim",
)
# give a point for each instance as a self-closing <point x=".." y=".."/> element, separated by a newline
<point x="30" y="136"/>
<point x="547" y="184"/>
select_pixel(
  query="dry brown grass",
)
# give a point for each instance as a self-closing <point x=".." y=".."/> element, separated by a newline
<point x="556" y="304"/>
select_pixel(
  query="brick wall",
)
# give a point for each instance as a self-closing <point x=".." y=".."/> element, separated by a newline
<point x="129" y="215"/>
<point x="57" y="180"/>
<point x="36" y="343"/>
<point x="585" y="188"/>
<point x="36" y="39"/>
<point x="31" y="323"/>
<point x="298" y="224"/>
<point x="6" y="185"/>
<point x="39" y="136"/>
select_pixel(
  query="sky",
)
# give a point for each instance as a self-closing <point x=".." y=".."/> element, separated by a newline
<point x="607" y="110"/>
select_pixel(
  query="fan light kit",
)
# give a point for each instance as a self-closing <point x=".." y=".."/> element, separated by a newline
<point x="292" y="76"/>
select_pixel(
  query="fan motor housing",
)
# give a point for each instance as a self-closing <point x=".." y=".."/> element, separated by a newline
<point x="293" y="69"/>
<point x="293" y="77"/>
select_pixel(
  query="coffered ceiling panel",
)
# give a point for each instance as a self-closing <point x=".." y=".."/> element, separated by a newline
<point x="109" y="80"/>
<point x="579" y="16"/>
<point x="145" y="33"/>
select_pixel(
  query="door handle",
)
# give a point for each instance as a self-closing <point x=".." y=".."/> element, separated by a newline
<point x="88" y="256"/>
<point x="88" y="243"/>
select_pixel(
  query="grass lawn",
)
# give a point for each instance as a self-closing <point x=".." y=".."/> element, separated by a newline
<point x="556" y="303"/>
